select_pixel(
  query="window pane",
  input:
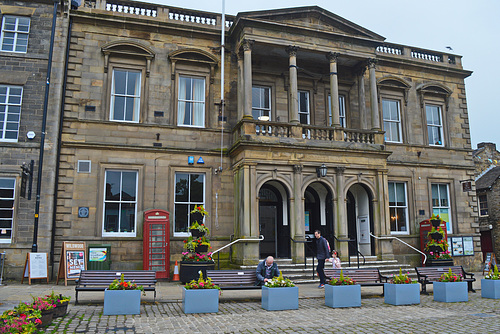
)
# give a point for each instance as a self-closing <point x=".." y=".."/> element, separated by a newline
<point x="181" y="218"/>
<point x="129" y="186"/>
<point x="133" y="83"/>
<point x="111" y="217"/>
<point x="113" y="185"/>
<point x="196" y="190"/>
<point x="392" y="194"/>
<point x="120" y="81"/>
<point x="119" y="108"/>
<point x="400" y="194"/>
<point x="7" y="183"/>
<point x="127" y="216"/>
<point x="181" y="187"/>
<point x="129" y="109"/>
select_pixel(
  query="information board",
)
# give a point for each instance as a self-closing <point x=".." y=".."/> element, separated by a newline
<point x="489" y="262"/>
<point x="461" y="246"/>
<point x="72" y="261"/>
<point x="36" y="267"/>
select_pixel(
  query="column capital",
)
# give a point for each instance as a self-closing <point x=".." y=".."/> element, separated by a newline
<point x="332" y="56"/>
<point x="372" y="62"/>
<point x="292" y="50"/>
<point x="297" y="169"/>
<point x="340" y="170"/>
<point x="247" y="44"/>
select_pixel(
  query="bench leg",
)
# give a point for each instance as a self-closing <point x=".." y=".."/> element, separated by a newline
<point x="76" y="297"/>
<point x="470" y="287"/>
<point x="154" y="299"/>
<point x="424" y="289"/>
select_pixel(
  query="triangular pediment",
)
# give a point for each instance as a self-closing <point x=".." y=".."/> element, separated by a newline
<point x="312" y="17"/>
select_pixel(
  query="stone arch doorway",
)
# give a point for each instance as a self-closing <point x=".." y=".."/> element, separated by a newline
<point x="273" y="221"/>
<point x="360" y="219"/>
<point x="318" y="213"/>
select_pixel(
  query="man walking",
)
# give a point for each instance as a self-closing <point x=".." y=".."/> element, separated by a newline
<point x="322" y="253"/>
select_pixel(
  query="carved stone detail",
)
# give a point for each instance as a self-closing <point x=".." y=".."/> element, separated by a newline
<point x="332" y="56"/>
<point x="292" y="50"/>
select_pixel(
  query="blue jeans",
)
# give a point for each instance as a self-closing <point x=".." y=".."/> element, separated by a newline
<point x="321" y="272"/>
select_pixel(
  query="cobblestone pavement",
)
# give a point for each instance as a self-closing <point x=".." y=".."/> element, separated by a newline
<point x="478" y="315"/>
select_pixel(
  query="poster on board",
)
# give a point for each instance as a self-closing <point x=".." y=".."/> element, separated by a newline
<point x="72" y="261"/>
<point x="36" y="267"/>
<point x="468" y="246"/>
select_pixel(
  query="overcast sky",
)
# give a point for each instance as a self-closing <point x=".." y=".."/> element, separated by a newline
<point x="470" y="27"/>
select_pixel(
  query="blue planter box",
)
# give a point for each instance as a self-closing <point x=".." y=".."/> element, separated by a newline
<point x="401" y="294"/>
<point x="343" y="295"/>
<point x="277" y="299"/>
<point x="200" y="301"/>
<point x="450" y="292"/>
<point x="117" y="302"/>
<point x="490" y="288"/>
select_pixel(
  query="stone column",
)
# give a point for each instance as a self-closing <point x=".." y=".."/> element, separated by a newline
<point x="241" y="96"/>
<point x="361" y="98"/>
<point x="341" y="218"/>
<point x="293" y="115"/>
<point x="373" y="95"/>
<point x="247" y="78"/>
<point x="297" y="225"/>
<point x="334" y="89"/>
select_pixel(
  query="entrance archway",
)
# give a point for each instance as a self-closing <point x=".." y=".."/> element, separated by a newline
<point x="318" y="213"/>
<point x="273" y="221"/>
<point x="360" y="219"/>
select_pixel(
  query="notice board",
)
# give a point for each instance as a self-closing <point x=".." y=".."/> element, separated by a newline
<point x="72" y="261"/>
<point x="36" y="267"/>
<point x="489" y="262"/>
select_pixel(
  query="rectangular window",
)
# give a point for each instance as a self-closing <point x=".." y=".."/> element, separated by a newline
<point x="341" y="111"/>
<point x="398" y="208"/>
<point x="261" y="103"/>
<point x="392" y="120"/>
<point x="189" y="191"/>
<point x="191" y="99"/>
<point x="434" y="125"/>
<point x="10" y="112"/>
<point x="120" y="203"/>
<point x="15" y="32"/>
<point x="304" y="113"/>
<point x="7" y="195"/>
<point x="125" y="96"/>
<point x="441" y="203"/>
<point x="483" y="205"/>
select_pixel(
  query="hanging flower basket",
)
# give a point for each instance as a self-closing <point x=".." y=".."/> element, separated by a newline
<point x="436" y="222"/>
<point x="201" y="248"/>
<point x="436" y="236"/>
<point x="197" y="233"/>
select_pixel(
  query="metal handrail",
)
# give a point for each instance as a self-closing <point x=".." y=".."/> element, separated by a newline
<point x="358" y="253"/>
<point x="261" y="237"/>
<point x="305" y="242"/>
<point x="381" y="238"/>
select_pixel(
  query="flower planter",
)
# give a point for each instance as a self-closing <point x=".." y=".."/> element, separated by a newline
<point x="490" y="288"/>
<point x="278" y="299"/>
<point x="200" y="300"/>
<point x="60" y="310"/>
<point x="436" y="222"/>
<point x="450" y="292"/>
<point x="196" y="217"/>
<point x="343" y="295"/>
<point x="436" y="236"/>
<point x="117" y="302"/>
<point x="189" y="270"/>
<point x="46" y="318"/>
<point x="439" y="263"/>
<point x="197" y="233"/>
<point x="435" y="249"/>
<point x="401" y="294"/>
<point x="201" y="248"/>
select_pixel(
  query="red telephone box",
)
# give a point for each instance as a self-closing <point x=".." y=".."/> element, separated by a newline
<point x="156" y="248"/>
<point x="426" y="227"/>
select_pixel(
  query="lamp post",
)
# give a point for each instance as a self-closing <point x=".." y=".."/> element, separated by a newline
<point x="321" y="171"/>
<point x="34" y="246"/>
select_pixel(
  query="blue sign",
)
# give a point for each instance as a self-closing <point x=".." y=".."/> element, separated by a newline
<point x="200" y="161"/>
<point x="190" y="160"/>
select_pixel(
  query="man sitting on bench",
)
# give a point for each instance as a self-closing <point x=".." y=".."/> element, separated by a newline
<point x="266" y="270"/>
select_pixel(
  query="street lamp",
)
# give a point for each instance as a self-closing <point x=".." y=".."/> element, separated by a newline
<point x="321" y="171"/>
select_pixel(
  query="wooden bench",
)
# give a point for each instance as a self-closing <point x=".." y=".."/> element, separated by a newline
<point x="234" y="279"/>
<point x="427" y="275"/>
<point x="362" y="276"/>
<point x="99" y="280"/>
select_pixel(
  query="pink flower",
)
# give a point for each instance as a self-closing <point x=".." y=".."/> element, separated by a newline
<point x="38" y="321"/>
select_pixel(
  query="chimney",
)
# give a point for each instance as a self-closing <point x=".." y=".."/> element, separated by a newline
<point x="491" y="146"/>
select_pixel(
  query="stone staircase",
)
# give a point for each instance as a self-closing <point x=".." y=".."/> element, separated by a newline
<point x="298" y="274"/>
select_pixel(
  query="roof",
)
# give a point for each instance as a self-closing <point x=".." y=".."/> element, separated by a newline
<point x="488" y="179"/>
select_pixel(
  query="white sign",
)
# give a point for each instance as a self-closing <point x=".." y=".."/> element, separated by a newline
<point x="98" y="254"/>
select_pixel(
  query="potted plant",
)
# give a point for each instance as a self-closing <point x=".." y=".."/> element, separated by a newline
<point x="12" y="322"/>
<point x="490" y="284"/>
<point x="436" y="221"/>
<point x="61" y="303"/>
<point x="450" y="288"/>
<point x="46" y="307"/>
<point x="280" y="294"/>
<point x="342" y="292"/>
<point x="200" y="296"/>
<point x="198" y="230"/>
<point x="437" y="248"/>
<point x="402" y="290"/>
<point x="198" y="213"/>
<point x="122" y="297"/>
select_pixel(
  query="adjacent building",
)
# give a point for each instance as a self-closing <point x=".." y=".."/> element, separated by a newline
<point x="324" y="125"/>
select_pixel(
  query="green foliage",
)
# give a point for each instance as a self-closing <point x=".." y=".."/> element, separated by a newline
<point x="451" y="277"/>
<point x="201" y="283"/>
<point x="493" y="275"/>
<point x="122" y="285"/>
<point x="402" y="278"/>
<point x="279" y="282"/>
<point x="342" y="280"/>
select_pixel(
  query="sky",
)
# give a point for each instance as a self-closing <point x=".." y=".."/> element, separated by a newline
<point x="470" y="27"/>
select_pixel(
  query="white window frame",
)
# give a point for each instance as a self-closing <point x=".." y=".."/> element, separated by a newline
<point x="192" y="101"/>
<point x="261" y="109"/>
<point x="17" y="33"/>
<point x="342" y="117"/>
<point x="405" y="207"/>
<point x="135" y="202"/>
<point x="5" y="104"/>
<point x="483" y="205"/>
<point x="136" y="97"/>
<point x="307" y="112"/>
<point x="13" y="199"/>
<point x="436" y="209"/>
<point x="438" y="125"/>
<point x="388" y="134"/>
<point x="188" y="202"/>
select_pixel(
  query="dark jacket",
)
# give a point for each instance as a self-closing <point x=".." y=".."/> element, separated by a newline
<point x="322" y="251"/>
<point x="261" y="272"/>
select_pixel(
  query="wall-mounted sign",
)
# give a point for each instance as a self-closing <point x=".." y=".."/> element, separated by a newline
<point x="98" y="254"/>
<point x="190" y="160"/>
<point x="200" y="161"/>
<point x="83" y="212"/>
<point x="461" y="246"/>
<point x="466" y="186"/>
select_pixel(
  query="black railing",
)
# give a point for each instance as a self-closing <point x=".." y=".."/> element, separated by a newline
<point x="358" y="253"/>
<point x="306" y="246"/>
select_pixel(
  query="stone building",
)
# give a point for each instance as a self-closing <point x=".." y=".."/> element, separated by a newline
<point x="487" y="161"/>
<point x="24" y="53"/>
<point x="324" y="125"/>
